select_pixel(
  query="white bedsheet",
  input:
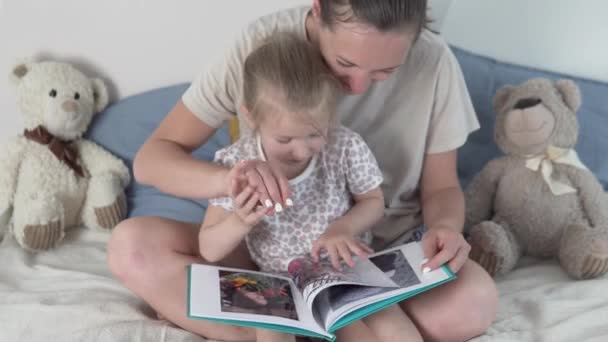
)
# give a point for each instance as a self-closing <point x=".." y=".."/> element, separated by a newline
<point x="69" y="295"/>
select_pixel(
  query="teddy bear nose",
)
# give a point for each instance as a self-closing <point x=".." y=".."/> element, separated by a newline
<point x="527" y="103"/>
<point x="69" y="106"/>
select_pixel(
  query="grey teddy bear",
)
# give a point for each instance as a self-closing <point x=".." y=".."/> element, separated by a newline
<point x="539" y="199"/>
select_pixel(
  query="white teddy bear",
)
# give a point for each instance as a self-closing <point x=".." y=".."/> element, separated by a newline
<point x="51" y="179"/>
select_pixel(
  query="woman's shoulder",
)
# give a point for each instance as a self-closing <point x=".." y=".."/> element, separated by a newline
<point x="428" y="51"/>
<point x="431" y="43"/>
<point x="290" y="19"/>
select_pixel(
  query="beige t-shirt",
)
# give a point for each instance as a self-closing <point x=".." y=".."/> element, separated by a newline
<point x="424" y="107"/>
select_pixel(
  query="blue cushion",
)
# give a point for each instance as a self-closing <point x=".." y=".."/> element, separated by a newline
<point x="484" y="76"/>
<point x="124" y="126"/>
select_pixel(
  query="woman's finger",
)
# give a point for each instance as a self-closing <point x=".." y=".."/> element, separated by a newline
<point x="271" y="185"/>
<point x="460" y="259"/>
<point x="444" y="256"/>
<point x="256" y="181"/>
<point x="284" y="188"/>
<point x="429" y="245"/>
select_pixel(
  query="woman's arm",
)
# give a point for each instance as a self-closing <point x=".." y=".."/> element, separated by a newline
<point x="440" y="193"/>
<point x="165" y="162"/>
<point x="443" y="212"/>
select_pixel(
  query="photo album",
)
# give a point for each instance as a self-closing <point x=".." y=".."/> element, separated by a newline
<point x="311" y="299"/>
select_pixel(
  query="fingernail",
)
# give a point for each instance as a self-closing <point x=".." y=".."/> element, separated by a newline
<point x="426" y="270"/>
<point x="289" y="202"/>
<point x="424" y="261"/>
<point x="268" y="203"/>
<point x="278" y="207"/>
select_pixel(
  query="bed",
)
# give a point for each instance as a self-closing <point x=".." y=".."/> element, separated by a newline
<point x="68" y="294"/>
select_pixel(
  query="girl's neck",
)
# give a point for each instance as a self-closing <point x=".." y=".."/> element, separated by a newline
<point x="289" y="172"/>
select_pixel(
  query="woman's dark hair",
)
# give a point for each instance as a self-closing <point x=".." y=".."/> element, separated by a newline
<point x="384" y="15"/>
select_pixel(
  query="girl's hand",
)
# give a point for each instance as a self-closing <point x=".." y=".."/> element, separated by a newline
<point x="269" y="183"/>
<point x="444" y="245"/>
<point x="246" y="204"/>
<point x="339" y="244"/>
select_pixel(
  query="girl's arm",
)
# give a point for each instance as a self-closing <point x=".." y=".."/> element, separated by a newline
<point x="367" y="211"/>
<point x="221" y="232"/>
<point x="340" y="239"/>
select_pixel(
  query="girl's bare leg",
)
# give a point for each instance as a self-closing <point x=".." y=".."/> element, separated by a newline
<point x="149" y="256"/>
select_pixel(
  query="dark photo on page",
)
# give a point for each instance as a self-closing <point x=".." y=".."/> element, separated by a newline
<point x="252" y="293"/>
<point x="395" y="266"/>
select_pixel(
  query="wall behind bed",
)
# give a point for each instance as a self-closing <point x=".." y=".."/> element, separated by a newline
<point x="144" y="44"/>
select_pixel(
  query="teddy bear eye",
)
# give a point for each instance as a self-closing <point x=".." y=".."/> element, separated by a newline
<point x="53" y="93"/>
<point x="76" y="96"/>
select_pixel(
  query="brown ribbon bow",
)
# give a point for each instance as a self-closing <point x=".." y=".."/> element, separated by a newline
<point x="60" y="148"/>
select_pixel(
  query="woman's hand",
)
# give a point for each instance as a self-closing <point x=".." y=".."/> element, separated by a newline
<point x="271" y="185"/>
<point x="339" y="243"/>
<point x="444" y="245"/>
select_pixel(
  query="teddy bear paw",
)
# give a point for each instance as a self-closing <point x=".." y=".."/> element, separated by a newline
<point x="595" y="263"/>
<point x="109" y="216"/>
<point x="42" y="236"/>
<point x="488" y="260"/>
<point x="493" y="248"/>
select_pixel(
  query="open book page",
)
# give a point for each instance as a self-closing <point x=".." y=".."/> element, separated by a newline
<point x="400" y="264"/>
<point x="312" y="278"/>
<point x="248" y="298"/>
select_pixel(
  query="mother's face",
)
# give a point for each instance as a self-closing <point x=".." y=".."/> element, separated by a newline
<point x="359" y="55"/>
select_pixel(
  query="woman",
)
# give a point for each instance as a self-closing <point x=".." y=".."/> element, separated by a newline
<point x="406" y="97"/>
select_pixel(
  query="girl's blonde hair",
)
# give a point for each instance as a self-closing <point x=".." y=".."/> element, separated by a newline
<point x="287" y="73"/>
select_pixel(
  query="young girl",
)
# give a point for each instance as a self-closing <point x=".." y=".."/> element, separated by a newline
<point x="289" y="102"/>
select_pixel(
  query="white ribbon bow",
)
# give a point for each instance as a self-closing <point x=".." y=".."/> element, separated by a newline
<point x="544" y="164"/>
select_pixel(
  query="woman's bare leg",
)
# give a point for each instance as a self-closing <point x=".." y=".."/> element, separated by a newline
<point x="457" y="311"/>
<point x="273" y="336"/>
<point x="149" y="256"/>
<point x="392" y="325"/>
<point x="357" y="331"/>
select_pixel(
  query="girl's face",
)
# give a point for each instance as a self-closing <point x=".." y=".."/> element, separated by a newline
<point x="289" y="142"/>
<point x="357" y="54"/>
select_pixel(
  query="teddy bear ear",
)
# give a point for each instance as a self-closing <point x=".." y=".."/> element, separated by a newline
<point x="571" y="94"/>
<point x="19" y="71"/>
<point x="100" y="94"/>
<point x="501" y="97"/>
